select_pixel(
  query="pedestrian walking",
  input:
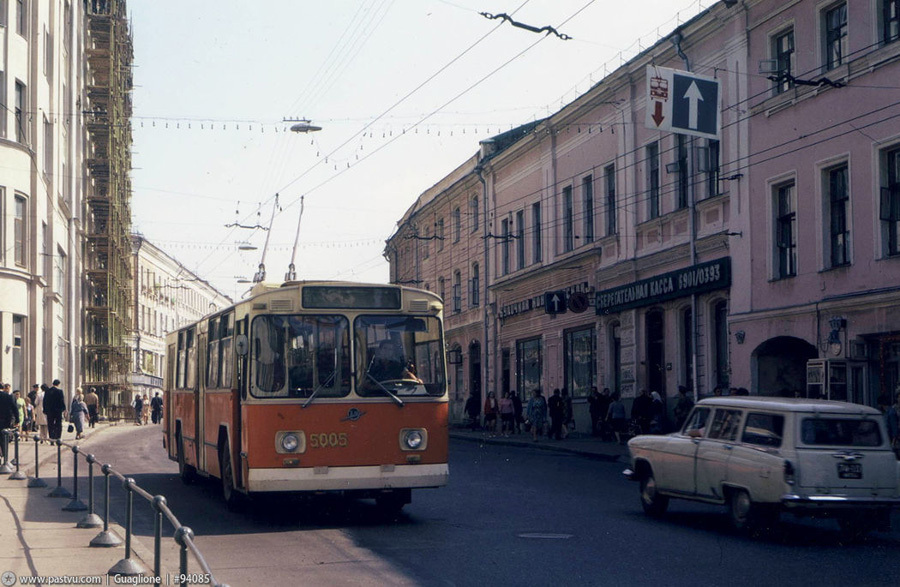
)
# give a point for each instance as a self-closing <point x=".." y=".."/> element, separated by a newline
<point x="536" y="414"/>
<point x="683" y="406"/>
<point x="156" y="407"/>
<point x="9" y="412"/>
<point x="473" y="411"/>
<point x="507" y="415"/>
<point x="138" y="405"/>
<point x="568" y="414"/>
<point x="556" y="410"/>
<point x="54" y="408"/>
<point x="641" y="411"/>
<point x="616" y="416"/>
<point x="145" y="410"/>
<point x="78" y="413"/>
<point x="40" y="418"/>
<point x="20" y="409"/>
<point x="517" y="410"/>
<point x="491" y="409"/>
<point x="92" y="401"/>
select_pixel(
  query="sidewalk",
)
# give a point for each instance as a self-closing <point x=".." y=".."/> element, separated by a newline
<point x="38" y="538"/>
<point x="576" y="443"/>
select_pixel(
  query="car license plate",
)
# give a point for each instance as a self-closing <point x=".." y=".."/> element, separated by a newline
<point x="849" y="470"/>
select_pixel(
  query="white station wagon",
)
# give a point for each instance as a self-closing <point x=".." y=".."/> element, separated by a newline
<point x="762" y="456"/>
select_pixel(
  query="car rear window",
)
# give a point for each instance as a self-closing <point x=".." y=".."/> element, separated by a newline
<point x="763" y="430"/>
<point x="840" y="432"/>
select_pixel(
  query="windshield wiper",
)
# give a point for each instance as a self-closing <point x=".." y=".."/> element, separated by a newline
<point x="386" y="390"/>
<point x="316" y="391"/>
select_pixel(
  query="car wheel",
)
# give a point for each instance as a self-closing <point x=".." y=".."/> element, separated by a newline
<point x="185" y="471"/>
<point x="652" y="501"/>
<point x="231" y="496"/>
<point x="740" y="509"/>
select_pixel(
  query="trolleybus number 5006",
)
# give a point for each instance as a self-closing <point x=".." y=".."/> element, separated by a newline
<point x="331" y="440"/>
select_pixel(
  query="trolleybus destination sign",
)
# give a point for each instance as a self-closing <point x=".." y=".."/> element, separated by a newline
<point x="700" y="278"/>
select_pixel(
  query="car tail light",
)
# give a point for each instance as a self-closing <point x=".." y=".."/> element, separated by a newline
<point x="789" y="472"/>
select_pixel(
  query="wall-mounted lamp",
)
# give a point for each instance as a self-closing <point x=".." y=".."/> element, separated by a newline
<point x="837" y="324"/>
<point x="739" y="336"/>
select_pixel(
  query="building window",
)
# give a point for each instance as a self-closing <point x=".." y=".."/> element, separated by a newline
<point x="457" y="292"/>
<point x="22" y="17"/>
<point x="713" y="156"/>
<point x="528" y="367"/>
<point x="3" y="14"/>
<point x="19" y="241"/>
<point x="3" y="108"/>
<point x="441" y="289"/>
<point x="687" y="327"/>
<point x="890" y="201"/>
<point x="839" y="215"/>
<point x="21" y="123"/>
<point x="18" y="355"/>
<point x="426" y="243"/>
<point x="520" y="239"/>
<point x="890" y="20"/>
<point x="568" y="220"/>
<point x="48" y="53"/>
<point x="579" y="361"/>
<point x="609" y="172"/>
<point x="652" y="159"/>
<point x="457" y="224"/>
<point x="783" y="52"/>
<point x="681" y="172"/>
<point x="504" y="247"/>
<point x="835" y="35"/>
<point x="474" y="295"/>
<point x="48" y="150"/>
<point x="537" y="246"/>
<point x="587" y="194"/>
<point x="785" y="231"/>
<point x="473" y="212"/>
<point x="439" y="234"/>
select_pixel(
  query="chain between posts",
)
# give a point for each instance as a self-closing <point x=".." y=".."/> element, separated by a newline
<point x="183" y="535"/>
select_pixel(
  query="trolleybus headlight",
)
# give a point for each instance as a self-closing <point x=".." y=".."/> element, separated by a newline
<point x="290" y="442"/>
<point x="414" y="439"/>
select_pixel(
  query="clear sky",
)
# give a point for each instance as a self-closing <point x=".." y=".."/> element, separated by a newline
<point x="403" y="91"/>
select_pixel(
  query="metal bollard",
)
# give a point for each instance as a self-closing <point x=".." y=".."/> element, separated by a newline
<point x="4" y="440"/>
<point x="59" y="491"/>
<point x="158" y="502"/>
<point x="18" y="475"/>
<point x="75" y="505"/>
<point x="182" y="535"/>
<point x="128" y="566"/>
<point x="36" y="481"/>
<point x="91" y="520"/>
<point x="106" y="538"/>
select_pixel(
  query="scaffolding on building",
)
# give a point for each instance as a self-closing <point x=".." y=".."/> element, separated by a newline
<point x="107" y="244"/>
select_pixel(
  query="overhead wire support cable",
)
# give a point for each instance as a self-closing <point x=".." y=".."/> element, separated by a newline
<point x="545" y="29"/>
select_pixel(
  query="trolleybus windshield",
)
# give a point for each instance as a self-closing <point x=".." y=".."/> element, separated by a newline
<point x="300" y="356"/>
<point x="399" y="356"/>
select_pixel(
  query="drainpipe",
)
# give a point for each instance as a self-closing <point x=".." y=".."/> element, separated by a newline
<point x="485" y="363"/>
<point x="692" y="228"/>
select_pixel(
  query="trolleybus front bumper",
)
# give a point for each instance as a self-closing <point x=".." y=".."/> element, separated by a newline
<point x="347" y="478"/>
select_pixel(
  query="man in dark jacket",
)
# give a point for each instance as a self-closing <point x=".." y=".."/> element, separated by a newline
<point x="642" y="411"/>
<point x="54" y="407"/>
<point x="9" y="412"/>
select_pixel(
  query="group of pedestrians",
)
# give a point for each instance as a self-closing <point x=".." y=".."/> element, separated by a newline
<point x="41" y="410"/>
<point x="145" y="409"/>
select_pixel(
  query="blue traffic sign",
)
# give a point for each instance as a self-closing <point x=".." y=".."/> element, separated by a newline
<point x="682" y="102"/>
<point x="555" y="302"/>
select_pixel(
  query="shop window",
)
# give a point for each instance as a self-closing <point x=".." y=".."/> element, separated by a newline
<point x="579" y="361"/>
<point x="528" y="367"/>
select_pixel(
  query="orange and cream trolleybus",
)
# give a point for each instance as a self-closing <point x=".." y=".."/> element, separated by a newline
<point x="312" y="387"/>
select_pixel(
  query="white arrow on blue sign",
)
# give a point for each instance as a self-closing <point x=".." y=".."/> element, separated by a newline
<point x="555" y="302"/>
<point x="683" y="102"/>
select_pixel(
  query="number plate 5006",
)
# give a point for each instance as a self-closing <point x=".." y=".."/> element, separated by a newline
<point x="328" y="440"/>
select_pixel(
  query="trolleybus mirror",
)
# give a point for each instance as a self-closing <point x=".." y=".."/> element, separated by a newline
<point x="241" y="345"/>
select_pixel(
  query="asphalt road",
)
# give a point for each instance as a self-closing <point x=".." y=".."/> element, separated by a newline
<point x="510" y="516"/>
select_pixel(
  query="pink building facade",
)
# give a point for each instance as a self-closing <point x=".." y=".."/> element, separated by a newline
<point x="597" y="251"/>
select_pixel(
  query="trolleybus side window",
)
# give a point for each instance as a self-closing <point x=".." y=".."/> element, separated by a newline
<point x="300" y="356"/>
<point x="219" y="359"/>
<point x="191" y="359"/>
<point x="399" y="355"/>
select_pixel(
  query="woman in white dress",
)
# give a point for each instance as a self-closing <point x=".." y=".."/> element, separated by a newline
<point x="39" y="416"/>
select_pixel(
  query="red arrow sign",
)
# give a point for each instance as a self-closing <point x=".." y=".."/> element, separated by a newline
<point x="658" y="113"/>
